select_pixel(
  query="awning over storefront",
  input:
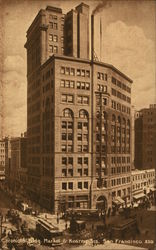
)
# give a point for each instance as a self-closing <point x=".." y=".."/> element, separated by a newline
<point x="139" y="196"/>
<point x="118" y="201"/>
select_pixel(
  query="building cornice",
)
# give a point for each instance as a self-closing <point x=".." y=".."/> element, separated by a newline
<point x="87" y="61"/>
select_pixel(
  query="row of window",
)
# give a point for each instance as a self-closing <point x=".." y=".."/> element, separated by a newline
<point x="69" y="148"/>
<point x="69" y="172"/>
<point x="121" y="85"/>
<point x="102" y="88"/>
<point x="53" y="38"/>
<point x="69" y="185"/>
<point x="66" y="98"/>
<point x="101" y="76"/>
<point x="71" y="84"/>
<point x="69" y="160"/>
<point x="53" y="49"/>
<point x="121" y="96"/>
<point x="118" y="192"/>
<point x="119" y="107"/>
<point x="69" y="125"/>
<point x="53" y="25"/>
<point x="119" y="150"/>
<point x="120" y="160"/>
<point x="120" y="181"/>
<point x="53" y="17"/>
<point x="119" y="170"/>
<point x="73" y="72"/>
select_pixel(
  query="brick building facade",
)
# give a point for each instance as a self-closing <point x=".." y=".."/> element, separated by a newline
<point x="79" y="119"/>
<point x="145" y="138"/>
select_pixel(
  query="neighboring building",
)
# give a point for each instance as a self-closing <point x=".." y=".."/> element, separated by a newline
<point x="2" y="159"/>
<point x="7" y="159"/>
<point x="79" y="123"/>
<point x="17" y="172"/>
<point x="133" y="136"/>
<point x="145" y="138"/>
<point x="143" y="183"/>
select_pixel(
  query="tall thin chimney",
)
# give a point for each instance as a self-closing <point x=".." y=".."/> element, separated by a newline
<point x="92" y="37"/>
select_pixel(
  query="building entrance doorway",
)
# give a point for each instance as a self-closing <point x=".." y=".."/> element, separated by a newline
<point x="101" y="203"/>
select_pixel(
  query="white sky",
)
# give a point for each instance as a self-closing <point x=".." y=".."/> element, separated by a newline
<point x="129" y="38"/>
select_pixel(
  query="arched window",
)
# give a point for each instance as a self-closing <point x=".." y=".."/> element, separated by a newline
<point x="68" y="113"/>
<point x="83" y="113"/>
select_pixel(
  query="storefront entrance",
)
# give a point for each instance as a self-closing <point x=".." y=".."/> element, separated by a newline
<point x="101" y="203"/>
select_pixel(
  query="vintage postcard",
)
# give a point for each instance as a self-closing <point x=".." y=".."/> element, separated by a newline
<point x="77" y="124"/>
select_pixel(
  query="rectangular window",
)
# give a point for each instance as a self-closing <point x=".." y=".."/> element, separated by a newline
<point x="82" y="72"/>
<point x="62" y="71"/>
<point x="86" y="185"/>
<point x="70" y="125"/>
<point x="85" y="137"/>
<point x="79" y="125"/>
<point x="72" y="83"/>
<point x="79" y="137"/>
<point x="64" y="148"/>
<point x="70" y="185"/>
<point x="72" y="72"/>
<point x="79" y="171"/>
<point x="86" y="160"/>
<point x="87" y="73"/>
<point x="67" y="98"/>
<point x="64" y="186"/>
<point x="55" y="49"/>
<point x="79" y="185"/>
<point x="70" y="148"/>
<point x="62" y="83"/>
<point x="64" y="136"/>
<point x="79" y="160"/>
<point x="87" y="85"/>
<point x="70" y="160"/>
<point x="79" y="148"/>
<point x="86" y="171"/>
<point x="70" y="172"/>
<point x="55" y="38"/>
<point x="67" y="71"/>
<point x="64" y="172"/>
<point x="78" y="85"/>
<point x="64" y="160"/>
<point x="64" y="124"/>
<point x="85" y="148"/>
<point x="78" y="72"/>
<point x="70" y="136"/>
<point x="51" y="48"/>
<point x="50" y="37"/>
<point x="55" y="26"/>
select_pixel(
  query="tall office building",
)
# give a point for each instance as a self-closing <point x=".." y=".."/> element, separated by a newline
<point x="79" y="119"/>
<point x="145" y="138"/>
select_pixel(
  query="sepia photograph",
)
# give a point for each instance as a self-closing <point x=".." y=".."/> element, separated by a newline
<point x="77" y="124"/>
